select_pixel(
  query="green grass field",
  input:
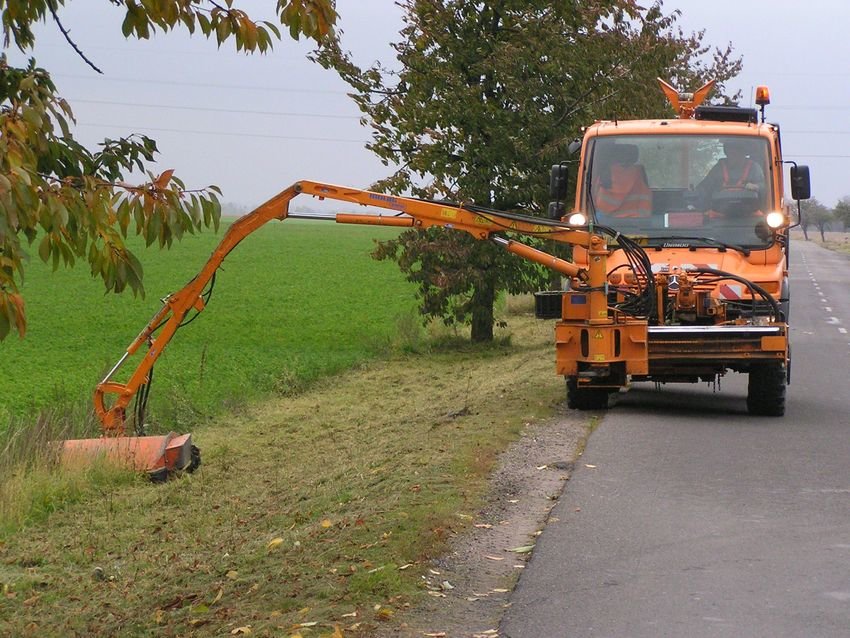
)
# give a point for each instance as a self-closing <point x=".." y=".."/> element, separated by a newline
<point x="294" y="301"/>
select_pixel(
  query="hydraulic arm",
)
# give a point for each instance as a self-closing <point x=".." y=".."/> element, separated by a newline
<point x="112" y="398"/>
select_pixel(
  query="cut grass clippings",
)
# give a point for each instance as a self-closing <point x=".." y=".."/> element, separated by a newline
<point x="310" y="514"/>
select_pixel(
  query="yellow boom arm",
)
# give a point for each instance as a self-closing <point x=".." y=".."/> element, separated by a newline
<point x="413" y="213"/>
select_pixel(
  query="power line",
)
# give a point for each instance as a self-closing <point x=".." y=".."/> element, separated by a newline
<point x="815" y="107"/>
<point x="214" y="110"/>
<point x="226" y="133"/>
<point x="241" y="87"/>
<point x="820" y="156"/>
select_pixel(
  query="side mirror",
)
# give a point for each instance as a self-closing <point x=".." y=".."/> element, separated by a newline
<point x="574" y="146"/>
<point x="558" y="182"/>
<point x="801" y="187"/>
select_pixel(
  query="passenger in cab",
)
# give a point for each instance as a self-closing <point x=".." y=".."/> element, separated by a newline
<point x="620" y="188"/>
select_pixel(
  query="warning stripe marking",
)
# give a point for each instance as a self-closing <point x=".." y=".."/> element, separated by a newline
<point x="730" y="291"/>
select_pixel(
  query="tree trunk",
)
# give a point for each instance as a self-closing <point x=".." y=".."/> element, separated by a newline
<point x="483" y="300"/>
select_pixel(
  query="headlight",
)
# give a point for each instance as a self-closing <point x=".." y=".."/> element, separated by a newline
<point x="577" y="219"/>
<point x="775" y="219"/>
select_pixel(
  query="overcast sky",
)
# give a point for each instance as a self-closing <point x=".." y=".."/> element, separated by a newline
<point x="255" y="124"/>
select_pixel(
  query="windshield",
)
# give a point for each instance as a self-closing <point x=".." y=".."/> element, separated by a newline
<point x="666" y="187"/>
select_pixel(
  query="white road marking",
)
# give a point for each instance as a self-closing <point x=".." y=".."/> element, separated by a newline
<point x="833" y="320"/>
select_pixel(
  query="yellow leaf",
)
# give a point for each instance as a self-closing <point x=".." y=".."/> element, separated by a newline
<point x="218" y="596"/>
<point x="241" y="631"/>
<point x="232" y="574"/>
<point x="326" y="523"/>
<point x="274" y="544"/>
<point x="162" y="180"/>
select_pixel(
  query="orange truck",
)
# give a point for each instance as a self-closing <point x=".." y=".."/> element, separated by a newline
<point x="703" y="197"/>
<point x="679" y="273"/>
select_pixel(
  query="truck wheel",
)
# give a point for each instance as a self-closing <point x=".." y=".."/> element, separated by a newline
<point x="766" y="389"/>
<point x="584" y="398"/>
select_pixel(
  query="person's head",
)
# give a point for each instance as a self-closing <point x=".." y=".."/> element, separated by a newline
<point x="735" y="150"/>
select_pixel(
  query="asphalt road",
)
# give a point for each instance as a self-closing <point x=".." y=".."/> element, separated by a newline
<point x="687" y="517"/>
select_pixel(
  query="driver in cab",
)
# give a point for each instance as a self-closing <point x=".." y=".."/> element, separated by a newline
<point x="734" y="173"/>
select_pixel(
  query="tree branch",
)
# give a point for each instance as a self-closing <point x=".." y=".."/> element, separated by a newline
<point x="52" y="6"/>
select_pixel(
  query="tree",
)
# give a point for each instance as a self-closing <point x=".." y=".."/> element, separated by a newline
<point x="75" y="202"/>
<point x="486" y="96"/>
<point x="817" y="215"/>
<point x="842" y="211"/>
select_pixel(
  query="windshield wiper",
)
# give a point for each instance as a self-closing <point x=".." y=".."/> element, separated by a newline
<point x="684" y="241"/>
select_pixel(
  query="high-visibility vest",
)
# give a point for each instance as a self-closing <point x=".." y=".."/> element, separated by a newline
<point x="628" y="194"/>
<point x="742" y="180"/>
<point x="738" y="185"/>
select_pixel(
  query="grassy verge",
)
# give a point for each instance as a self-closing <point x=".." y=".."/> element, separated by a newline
<point x="33" y="486"/>
<point x="839" y="242"/>
<point x="312" y="514"/>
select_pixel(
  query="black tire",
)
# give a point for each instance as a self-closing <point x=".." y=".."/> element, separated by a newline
<point x="585" y="398"/>
<point x="766" y="389"/>
<point x="195" y="462"/>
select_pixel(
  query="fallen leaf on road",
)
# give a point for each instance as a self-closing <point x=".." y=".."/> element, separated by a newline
<point x="494" y="557"/>
<point x="522" y="550"/>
